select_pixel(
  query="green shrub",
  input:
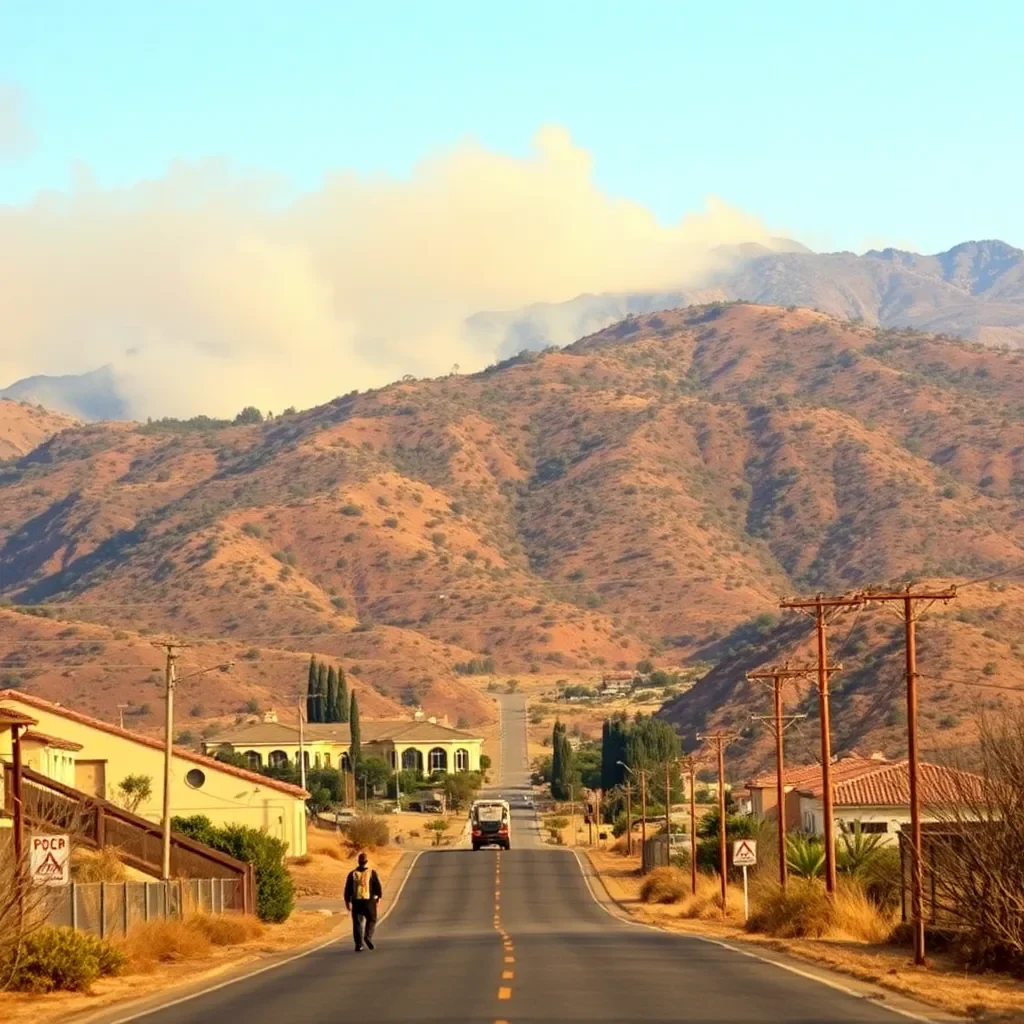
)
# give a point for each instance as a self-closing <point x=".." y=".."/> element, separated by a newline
<point x="805" y="856"/>
<point x="59" y="959"/>
<point x="275" y="893"/>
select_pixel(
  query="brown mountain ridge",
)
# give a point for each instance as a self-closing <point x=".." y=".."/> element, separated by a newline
<point x="654" y="488"/>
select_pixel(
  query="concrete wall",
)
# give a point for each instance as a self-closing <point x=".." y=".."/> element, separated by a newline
<point x="195" y="789"/>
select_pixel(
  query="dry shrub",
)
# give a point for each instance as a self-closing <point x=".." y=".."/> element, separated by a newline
<point x="804" y="910"/>
<point x="664" y="885"/>
<point x="170" y="940"/>
<point x="367" y="832"/>
<point x="103" y="865"/>
<point x="164" y="941"/>
<point x="706" y="903"/>
<point x="226" y="929"/>
<point x="619" y="846"/>
<point x="301" y="860"/>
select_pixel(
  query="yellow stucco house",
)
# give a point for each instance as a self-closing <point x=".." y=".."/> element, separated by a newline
<point x="93" y="756"/>
<point x="418" y="744"/>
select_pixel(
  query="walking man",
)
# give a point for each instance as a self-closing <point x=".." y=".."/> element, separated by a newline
<point x="362" y="894"/>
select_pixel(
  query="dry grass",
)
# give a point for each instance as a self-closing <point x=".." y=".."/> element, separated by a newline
<point x="664" y="885"/>
<point x="805" y="911"/>
<point x="102" y="865"/>
<point x="323" y="845"/>
<point x="173" y="940"/>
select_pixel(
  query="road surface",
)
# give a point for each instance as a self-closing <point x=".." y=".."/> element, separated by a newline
<point x="517" y="936"/>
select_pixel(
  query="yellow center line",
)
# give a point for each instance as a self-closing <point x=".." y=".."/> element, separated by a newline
<point x="507" y="975"/>
<point x="504" y="992"/>
<point x="510" y="959"/>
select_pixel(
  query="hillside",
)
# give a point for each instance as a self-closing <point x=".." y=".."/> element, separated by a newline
<point x="653" y="488"/>
<point x="974" y="290"/>
<point x="24" y="427"/>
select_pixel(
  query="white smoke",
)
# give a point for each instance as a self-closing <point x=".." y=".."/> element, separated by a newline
<point x="206" y="292"/>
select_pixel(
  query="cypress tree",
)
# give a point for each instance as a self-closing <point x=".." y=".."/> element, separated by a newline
<point x="331" y="704"/>
<point x="557" y="761"/>
<point x="311" y="689"/>
<point x="355" y="750"/>
<point x="321" y="693"/>
<point x="342" y="696"/>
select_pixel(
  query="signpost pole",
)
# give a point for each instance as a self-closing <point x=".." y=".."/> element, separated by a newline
<point x="746" y="902"/>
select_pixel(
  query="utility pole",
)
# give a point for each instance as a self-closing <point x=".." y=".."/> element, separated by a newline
<point x="822" y="607"/>
<point x="302" y="746"/>
<point x="171" y="649"/>
<point x="690" y="767"/>
<point x="779" y="723"/>
<point x="121" y="708"/>
<point x="906" y="598"/>
<point x="642" y="772"/>
<point x="668" y="812"/>
<point x="720" y="739"/>
<point x="629" y="819"/>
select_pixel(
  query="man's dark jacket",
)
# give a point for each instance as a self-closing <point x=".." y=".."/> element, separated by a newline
<point x="376" y="891"/>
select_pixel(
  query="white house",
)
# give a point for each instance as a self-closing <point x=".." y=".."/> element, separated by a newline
<point x="94" y="756"/>
<point x="879" y="797"/>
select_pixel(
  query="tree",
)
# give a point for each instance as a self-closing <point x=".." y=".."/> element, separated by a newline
<point x="331" y="704"/>
<point x="311" y="689"/>
<point x="250" y="414"/>
<point x="562" y="768"/>
<point x="355" y="750"/>
<point x="438" y="826"/>
<point x="341" y="710"/>
<point x="374" y="771"/>
<point x="460" y="788"/>
<point x="321" y="694"/>
<point x="135" y="790"/>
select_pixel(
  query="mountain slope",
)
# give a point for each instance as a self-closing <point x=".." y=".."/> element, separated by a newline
<point x="652" y="488"/>
<point x="975" y="290"/>
<point x="24" y="427"/>
<point x="86" y="396"/>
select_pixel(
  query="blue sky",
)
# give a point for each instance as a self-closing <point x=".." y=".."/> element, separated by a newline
<point x="845" y="124"/>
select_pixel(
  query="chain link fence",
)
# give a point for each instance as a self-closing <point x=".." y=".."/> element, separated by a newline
<point x="109" y="909"/>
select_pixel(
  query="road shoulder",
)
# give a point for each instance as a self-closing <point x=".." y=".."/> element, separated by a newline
<point x="120" y="1009"/>
<point x="766" y="952"/>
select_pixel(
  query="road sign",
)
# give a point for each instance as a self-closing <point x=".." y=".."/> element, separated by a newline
<point x="744" y="853"/>
<point x="50" y="860"/>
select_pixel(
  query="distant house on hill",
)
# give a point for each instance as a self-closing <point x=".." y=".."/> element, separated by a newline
<point x="93" y="757"/>
<point x="418" y="745"/>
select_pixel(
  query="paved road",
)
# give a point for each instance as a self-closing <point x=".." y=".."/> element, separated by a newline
<point x="517" y="937"/>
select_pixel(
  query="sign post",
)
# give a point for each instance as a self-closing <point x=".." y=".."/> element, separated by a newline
<point x="50" y="860"/>
<point x="744" y="855"/>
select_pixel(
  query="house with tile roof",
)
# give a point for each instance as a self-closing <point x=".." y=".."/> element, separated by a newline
<point x="419" y="745"/>
<point x="93" y="757"/>
<point x="878" y="797"/>
<point x="764" y="788"/>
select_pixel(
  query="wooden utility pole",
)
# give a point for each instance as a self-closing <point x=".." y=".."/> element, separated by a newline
<point x="170" y="655"/>
<point x="642" y="772"/>
<point x="720" y="739"/>
<point x="668" y="813"/>
<point x="906" y="598"/>
<point x="690" y="767"/>
<point x="629" y="819"/>
<point x="779" y="722"/>
<point x="822" y="607"/>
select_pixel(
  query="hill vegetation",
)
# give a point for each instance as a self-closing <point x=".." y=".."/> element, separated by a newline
<point x="648" y="493"/>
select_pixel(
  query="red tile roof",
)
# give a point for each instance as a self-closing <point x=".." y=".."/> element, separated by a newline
<point x="889" y="786"/>
<point x="148" y="741"/>
<point x="8" y="716"/>
<point x="809" y="775"/>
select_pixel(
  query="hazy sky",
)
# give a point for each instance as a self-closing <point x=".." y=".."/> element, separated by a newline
<point x="846" y="122"/>
<point x="218" y="196"/>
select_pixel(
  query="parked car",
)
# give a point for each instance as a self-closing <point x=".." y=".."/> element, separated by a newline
<point x="433" y="807"/>
<point x="415" y="805"/>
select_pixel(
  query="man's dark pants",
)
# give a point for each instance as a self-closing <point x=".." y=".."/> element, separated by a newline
<point x="364" y="920"/>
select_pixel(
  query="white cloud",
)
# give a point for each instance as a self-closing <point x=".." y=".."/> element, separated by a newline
<point x="207" y="293"/>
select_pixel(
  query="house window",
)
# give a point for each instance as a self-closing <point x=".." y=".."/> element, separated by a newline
<point x="277" y="759"/>
<point x="253" y="759"/>
<point x="874" y="826"/>
<point x="437" y="760"/>
<point x="412" y="760"/>
<point x="346" y="762"/>
<point x="461" y="760"/>
<point x="327" y="760"/>
<point x="318" y="760"/>
<point x="195" y="777"/>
